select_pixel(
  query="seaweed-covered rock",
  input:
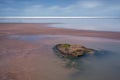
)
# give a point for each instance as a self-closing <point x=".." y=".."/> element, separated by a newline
<point x="73" y="50"/>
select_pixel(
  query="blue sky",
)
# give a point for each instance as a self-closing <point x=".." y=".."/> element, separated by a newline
<point x="100" y="8"/>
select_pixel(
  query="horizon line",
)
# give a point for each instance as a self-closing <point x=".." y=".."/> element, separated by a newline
<point x="62" y="17"/>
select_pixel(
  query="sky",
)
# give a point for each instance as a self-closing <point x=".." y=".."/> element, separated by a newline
<point x="45" y="8"/>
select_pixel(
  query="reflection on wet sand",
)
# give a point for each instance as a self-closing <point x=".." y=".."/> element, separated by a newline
<point x="31" y="57"/>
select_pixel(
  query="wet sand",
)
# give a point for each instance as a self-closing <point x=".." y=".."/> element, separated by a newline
<point x="22" y="60"/>
<point x="26" y="53"/>
<point x="34" y="28"/>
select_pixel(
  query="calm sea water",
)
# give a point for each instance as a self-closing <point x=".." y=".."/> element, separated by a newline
<point x="87" y="24"/>
<point x="104" y="66"/>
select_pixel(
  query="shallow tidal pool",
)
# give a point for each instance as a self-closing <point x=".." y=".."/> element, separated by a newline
<point x="43" y="63"/>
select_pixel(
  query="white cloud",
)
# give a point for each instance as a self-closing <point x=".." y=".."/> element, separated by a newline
<point x="80" y="8"/>
<point x="7" y="9"/>
<point x="89" y="4"/>
<point x="36" y="6"/>
<point x="54" y="7"/>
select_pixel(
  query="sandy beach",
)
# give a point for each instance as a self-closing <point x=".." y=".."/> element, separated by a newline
<point x="24" y="55"/>
<point x="34" y="28"/>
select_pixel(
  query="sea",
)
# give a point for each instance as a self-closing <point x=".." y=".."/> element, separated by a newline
<point x="98" y="24"/>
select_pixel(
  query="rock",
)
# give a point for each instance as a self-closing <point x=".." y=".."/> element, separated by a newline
<point x="73" y="50"/>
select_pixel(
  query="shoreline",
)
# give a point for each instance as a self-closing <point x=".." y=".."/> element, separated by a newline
<point x="44" y="28"/>
<point x="33" y="58"/>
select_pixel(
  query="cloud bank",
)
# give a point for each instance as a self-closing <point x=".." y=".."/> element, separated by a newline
<point x="99" y="8"/>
